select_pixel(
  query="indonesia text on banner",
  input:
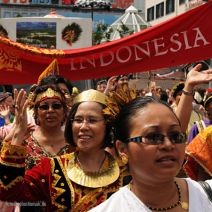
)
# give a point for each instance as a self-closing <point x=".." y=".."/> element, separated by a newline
<point x="180" y="40"/>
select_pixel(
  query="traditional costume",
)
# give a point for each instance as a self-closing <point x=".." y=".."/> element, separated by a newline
<point x="199" y="154"/>
<point x="59" y="183"/>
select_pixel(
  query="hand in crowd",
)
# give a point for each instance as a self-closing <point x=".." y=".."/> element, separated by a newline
<point x="5" y="112"/>
<point x="195" y="76"/>
<point x="111" y="84"/>
<point x="20" y="126"/>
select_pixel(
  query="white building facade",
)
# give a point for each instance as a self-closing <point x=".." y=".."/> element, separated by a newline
<point x="156" y="11"/>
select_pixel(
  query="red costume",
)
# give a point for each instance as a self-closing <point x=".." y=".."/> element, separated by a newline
<point x="57" y="183"/>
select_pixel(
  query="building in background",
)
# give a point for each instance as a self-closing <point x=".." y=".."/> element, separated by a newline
<point x="37" y="8"/>
<point x="156" y="11"/>
<point x="152" y="11"/>
<point x="130" y="20"/>
<point x="52" y="31"/>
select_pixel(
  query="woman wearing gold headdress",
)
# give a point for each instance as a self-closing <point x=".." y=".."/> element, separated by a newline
<point x="50" y="112"/>
<point x="47" y="137"/>
<point x="76" y="181"/>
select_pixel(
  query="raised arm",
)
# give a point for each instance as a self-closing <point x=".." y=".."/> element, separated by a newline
<point x="20" y="128"/>
<point x="111" y="84"/>
<point x="16" y="184"/>
<point x="194" y="77"/>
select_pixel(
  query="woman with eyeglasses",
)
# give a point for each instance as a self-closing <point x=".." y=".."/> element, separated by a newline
<point x="72" y="182"/>
<point x="50" y="112"/>
<point x="149" y="134"/>
<point x="46" y="138"/>
<point x="153" y="139"/>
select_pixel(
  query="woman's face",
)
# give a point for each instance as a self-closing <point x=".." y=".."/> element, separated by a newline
<point x="50" y="113"/>
<point x="101" y="87"/>
<point x="10" y="102"/>
<point x="154" y="162"/>
<point x="88" y="126"/>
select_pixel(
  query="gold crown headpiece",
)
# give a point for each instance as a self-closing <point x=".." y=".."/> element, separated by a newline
<point x="91" y="95"/>
<point x="49" y="93"/>
<point x="113" y="101"/>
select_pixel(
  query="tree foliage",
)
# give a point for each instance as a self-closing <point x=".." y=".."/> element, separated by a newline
<point x="103" y="32"/>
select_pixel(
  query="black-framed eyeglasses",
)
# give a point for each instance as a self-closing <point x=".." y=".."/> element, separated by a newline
<point x="158" y="138"/>
<point x="54" y="106"/>
<point x="89" y="121"/>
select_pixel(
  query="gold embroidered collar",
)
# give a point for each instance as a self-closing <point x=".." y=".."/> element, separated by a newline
<point x="108" y="173"/>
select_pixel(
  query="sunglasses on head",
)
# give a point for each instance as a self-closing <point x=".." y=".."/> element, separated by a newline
<point x="158" y="138"/>
<point x="54" y="106"/>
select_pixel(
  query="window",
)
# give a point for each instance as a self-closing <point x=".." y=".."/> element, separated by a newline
<point x="7" y="14"/>
<point x="150" y="13"/>
<point x="181" y="2"/>
<point x="33" y="14"/>
<point x="170" y="7"/>
<point x="160" y="10"/>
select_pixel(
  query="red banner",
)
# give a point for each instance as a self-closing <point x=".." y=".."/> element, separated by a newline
<point x="180" y="40"/>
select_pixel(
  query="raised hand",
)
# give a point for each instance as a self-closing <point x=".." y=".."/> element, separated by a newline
<point x="184" y="108"/>
<point x="5" y="113"/>
<point x="111" y="84"/>
<point x="20" y="125"/>
<point x="195" y="76"/>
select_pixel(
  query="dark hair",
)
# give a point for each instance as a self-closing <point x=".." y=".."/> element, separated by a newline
<point x="208" y="99"/>
<point x="177" y="88"/>
<point x="101" y="82"/>
<point x="33" y="87"/>
<point x="122" y="125"/>
<point x="108" y="140"/>
<point x="56" y="79"/>
<point x="164" y="96"/>
<point x="40" y="89"/>
<point x="4" y="96"/>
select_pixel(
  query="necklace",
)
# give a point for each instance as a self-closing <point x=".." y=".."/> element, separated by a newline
<point x="108" y="173"/>
<point x="81" y="166"/>
<point x="183" y="205"/>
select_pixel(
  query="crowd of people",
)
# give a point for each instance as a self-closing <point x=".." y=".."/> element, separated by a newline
<point x="106" y="149"/>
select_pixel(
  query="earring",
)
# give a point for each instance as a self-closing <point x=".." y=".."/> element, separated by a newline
<point x="124" y="159"/>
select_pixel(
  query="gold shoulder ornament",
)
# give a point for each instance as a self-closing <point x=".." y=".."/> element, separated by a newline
<point x="108" y="173"/>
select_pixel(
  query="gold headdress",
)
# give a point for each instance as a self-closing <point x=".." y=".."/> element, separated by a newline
<point x="49" y="93"/>
<point x="116" y="100"/>
<point x="91" y="95"/>
<point x="113" y="101"/>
